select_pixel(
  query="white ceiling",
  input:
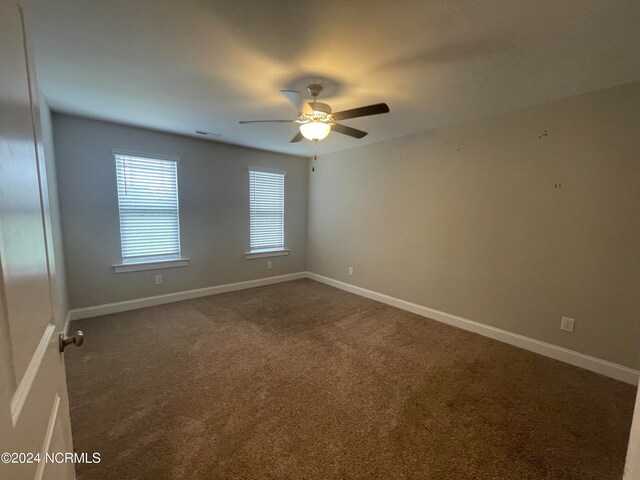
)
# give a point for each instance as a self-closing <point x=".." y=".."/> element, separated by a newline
<point x="186" y="65"/>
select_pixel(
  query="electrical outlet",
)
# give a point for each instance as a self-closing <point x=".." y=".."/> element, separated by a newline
<point x="159" y="280"/>
<point x="269" y="265"/>
<point x="567" y="324"/>
<point x="350" y="270"/>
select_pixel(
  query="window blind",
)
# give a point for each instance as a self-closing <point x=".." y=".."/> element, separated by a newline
<point x="266" y="192"/>
<point x="148" y="204"/>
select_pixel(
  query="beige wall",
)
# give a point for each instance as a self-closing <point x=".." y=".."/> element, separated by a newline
<point x="214" y="211"/>
<point x="468" y="220"/>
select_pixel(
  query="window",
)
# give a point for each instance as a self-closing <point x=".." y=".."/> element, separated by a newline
<point x="266" y="212"/>
<point x="148" y="204"/>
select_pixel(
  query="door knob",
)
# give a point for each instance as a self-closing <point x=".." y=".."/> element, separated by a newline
<point x="77" y="339"/>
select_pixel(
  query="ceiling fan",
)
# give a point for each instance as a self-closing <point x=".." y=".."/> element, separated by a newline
<point x="316" y="119"/>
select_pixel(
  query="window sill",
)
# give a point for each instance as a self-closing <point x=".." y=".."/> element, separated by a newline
<point x="266" y="253"/>
<point x="150" y="265"/>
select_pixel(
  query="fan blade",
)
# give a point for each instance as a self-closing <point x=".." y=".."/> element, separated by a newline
<point x="352" y="132"/>
<point x="297" y="138"/>
<point x="266" y="121"/>
<point x="362" y="111"/>
<point x="298" y="101"/>
<point x="294" y="97"/>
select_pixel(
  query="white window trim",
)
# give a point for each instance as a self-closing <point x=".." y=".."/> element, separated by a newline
<point x="279" y="252"/>
<point x="266" y="170"/>
<point x="150" y="264"/>
<point x="264" y="254"/>
<point x="137" y="265"/>
<point x="151" y="156"/>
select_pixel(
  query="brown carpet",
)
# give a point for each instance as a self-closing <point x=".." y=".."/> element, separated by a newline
<point x="303" y="381"/>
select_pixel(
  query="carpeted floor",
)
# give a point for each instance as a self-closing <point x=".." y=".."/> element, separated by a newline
<point x="303" y="381"/>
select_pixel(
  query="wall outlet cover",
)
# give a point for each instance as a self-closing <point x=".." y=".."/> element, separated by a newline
<point x="350" y="270"/>
<point x="567" y="324"/>
<point x="159" y="280"/>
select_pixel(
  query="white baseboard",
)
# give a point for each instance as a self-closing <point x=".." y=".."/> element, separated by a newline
<point x="88" y="312"/>
<point x="603" y="367"/>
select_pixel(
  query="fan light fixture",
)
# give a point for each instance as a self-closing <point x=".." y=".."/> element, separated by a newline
<point x="315" y="131"/>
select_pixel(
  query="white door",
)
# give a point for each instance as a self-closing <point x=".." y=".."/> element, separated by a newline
<point x="34" y="412"/>
<point x="632" y="467"/>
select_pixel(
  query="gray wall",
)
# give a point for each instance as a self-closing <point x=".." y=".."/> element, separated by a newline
<point x="214" y="211"/>
<point x="468" y="220"/>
